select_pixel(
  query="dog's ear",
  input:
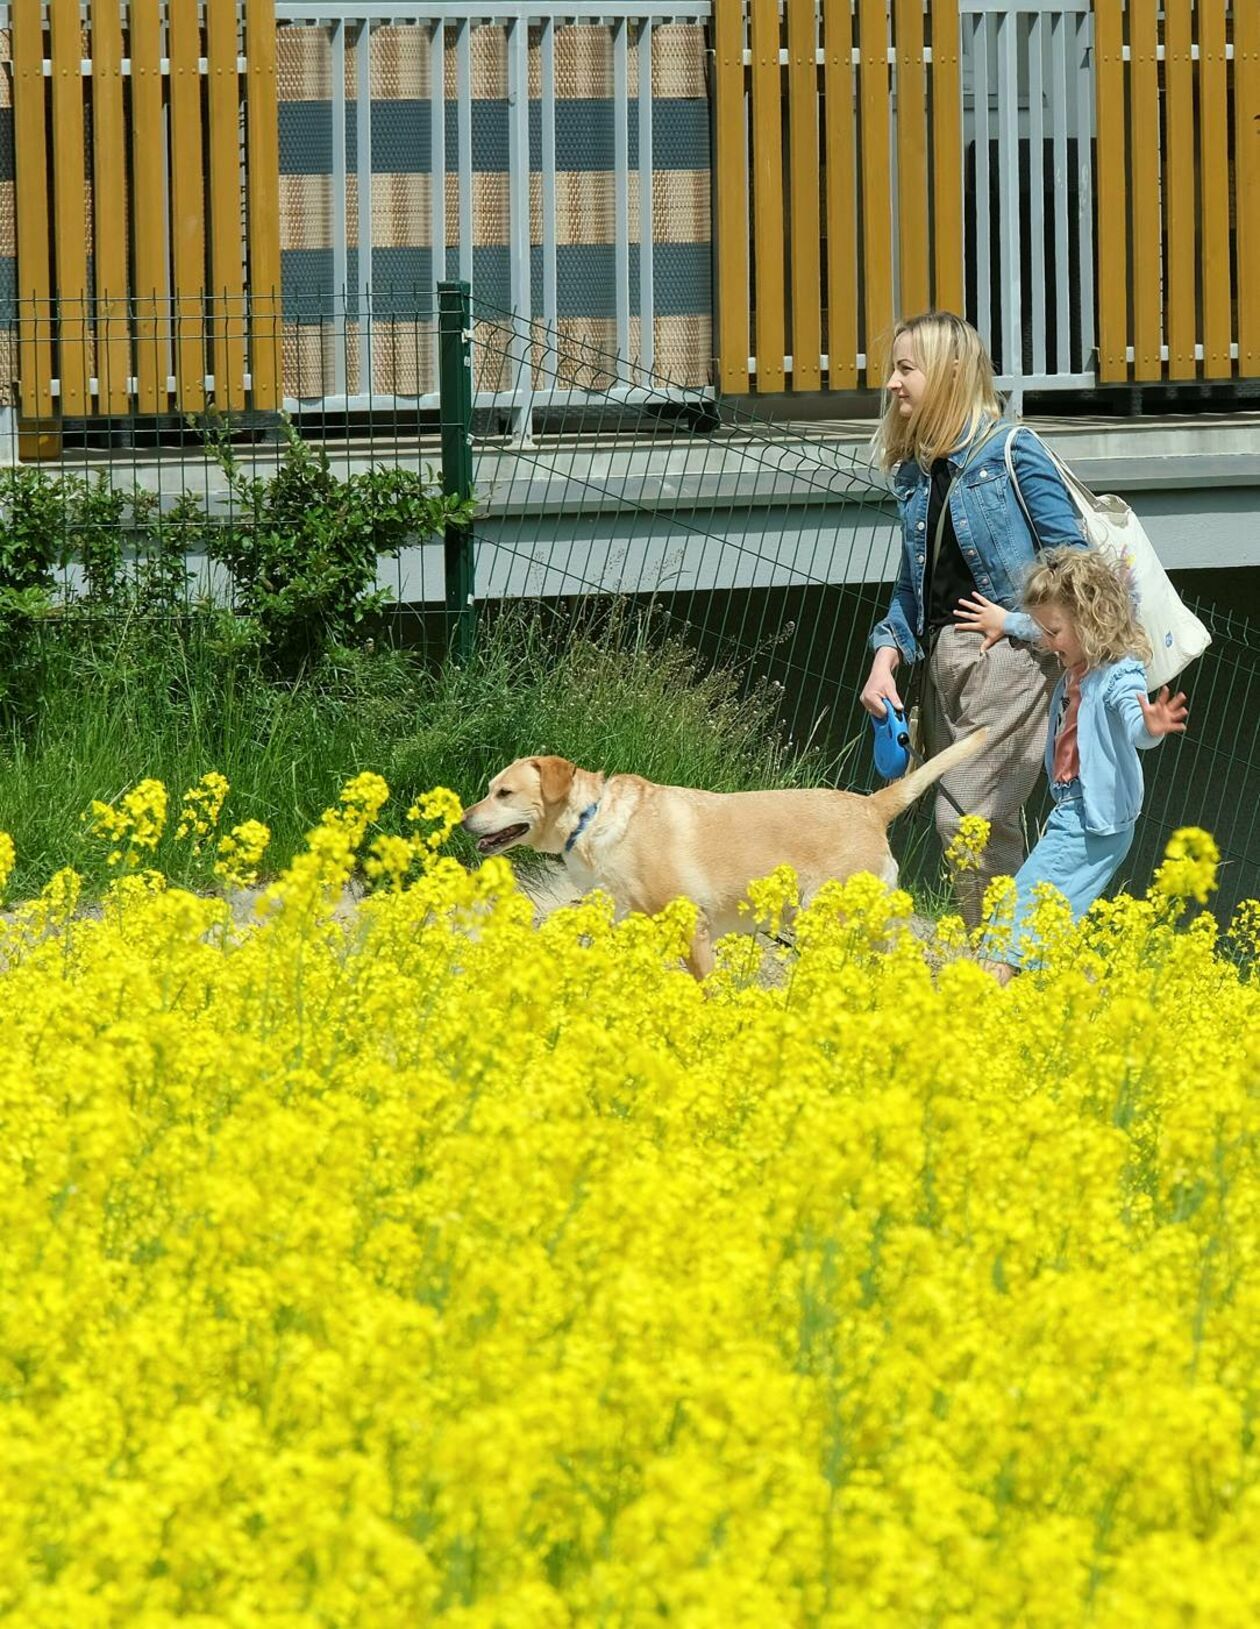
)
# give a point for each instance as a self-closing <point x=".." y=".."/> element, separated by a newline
<point x="555" y="777"/>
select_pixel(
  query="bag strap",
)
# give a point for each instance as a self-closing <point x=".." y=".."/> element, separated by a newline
<point x="1017" y="489"/>
<point x="1068" y="476"/>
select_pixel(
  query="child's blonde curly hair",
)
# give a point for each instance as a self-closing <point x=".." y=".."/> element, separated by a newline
<point x="1097" y="598"/>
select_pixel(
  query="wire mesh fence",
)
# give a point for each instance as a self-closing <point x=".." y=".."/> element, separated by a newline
<point x="773" y="548"/>
<point x="603" y="489"/>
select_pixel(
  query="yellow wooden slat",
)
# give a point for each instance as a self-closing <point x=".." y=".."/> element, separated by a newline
<point x="70" y="209"/>
<point x="1179" y="188"/>
<point x="109" y="199"/>
<point x="1113" y="236"/>
<point x="767" y="142"/>
<point x="876" y="189"/>
<point x="912" y="161"/>
<point x="839" y="156"/>
<point x="732" y="200"/>
<point x="1144" y="169"/>
<point x="1214" y="193"/>
<point x="806" y="211"/>
<point x="264" y="202"/>
<point x="34" y="266"/>
<point x="227" y="271"/>
<point x="1247" y="183"/>
<point x="947" y="159"/>
<point x="148" y="165"/>
<point x="188" y="220"/>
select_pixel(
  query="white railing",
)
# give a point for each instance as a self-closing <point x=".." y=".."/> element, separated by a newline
<point x="1028" y="126"/>
<point x="532" y="248"/>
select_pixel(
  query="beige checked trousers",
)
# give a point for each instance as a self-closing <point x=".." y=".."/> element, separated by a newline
<point x="1007" y="690"/>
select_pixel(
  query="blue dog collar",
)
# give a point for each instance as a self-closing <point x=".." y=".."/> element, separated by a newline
<point x="584" y="819"/>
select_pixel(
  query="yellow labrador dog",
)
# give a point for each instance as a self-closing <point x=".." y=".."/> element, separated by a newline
<point x="645" y="844"/>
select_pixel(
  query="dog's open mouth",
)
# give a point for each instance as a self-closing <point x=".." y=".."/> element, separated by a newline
<point x="498" y="840"/>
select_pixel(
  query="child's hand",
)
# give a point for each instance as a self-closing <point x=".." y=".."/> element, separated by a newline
<point x="1162" y="716"/>
<point x="979" y="615"/>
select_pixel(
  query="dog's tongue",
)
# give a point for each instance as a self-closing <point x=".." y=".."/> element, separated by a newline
<point x="500" y="839"/>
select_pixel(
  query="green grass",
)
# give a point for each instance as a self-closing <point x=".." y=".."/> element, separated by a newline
<point x="615" y="695"/>
<point x="124" y="701"/>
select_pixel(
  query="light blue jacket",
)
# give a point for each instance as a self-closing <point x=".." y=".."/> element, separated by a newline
<point x="1109" y="731"/>
<point x="989" y="523"/>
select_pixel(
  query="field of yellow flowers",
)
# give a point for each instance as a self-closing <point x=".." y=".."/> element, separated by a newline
<point x="435" y="1267"/>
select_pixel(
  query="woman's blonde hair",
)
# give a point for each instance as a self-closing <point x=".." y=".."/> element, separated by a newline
<point x="959" y="398"/>
<point x="1097" y="598"/>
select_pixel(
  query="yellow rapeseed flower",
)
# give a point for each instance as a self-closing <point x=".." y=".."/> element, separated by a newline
<point x="415" y="1262"/>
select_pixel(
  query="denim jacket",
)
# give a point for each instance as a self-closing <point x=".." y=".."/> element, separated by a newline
<point x="1109" y="731"/>
<point x="990" y="526"/>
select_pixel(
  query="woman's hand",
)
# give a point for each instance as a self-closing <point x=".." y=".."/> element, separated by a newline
<point x="1162" y="716"/>
<point x="880" y="688"/>
<point x="982" y="616"/>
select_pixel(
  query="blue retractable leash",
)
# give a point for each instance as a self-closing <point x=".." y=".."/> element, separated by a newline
<point x="892" y="742"/>
<point x="893" y="752"/>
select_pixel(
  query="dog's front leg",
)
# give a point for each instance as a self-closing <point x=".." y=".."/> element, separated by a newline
<point x="700" y="956"/>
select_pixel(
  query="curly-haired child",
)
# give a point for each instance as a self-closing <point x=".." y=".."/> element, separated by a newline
<point x="1077" y="606"/>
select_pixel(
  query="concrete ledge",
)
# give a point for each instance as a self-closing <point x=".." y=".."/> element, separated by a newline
<point x="752" y="504"/>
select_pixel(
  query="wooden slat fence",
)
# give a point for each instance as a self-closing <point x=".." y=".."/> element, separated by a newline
<point x="1178" y="167"/>
<point x="838" y="184"/>
<point x="148" y="276"/>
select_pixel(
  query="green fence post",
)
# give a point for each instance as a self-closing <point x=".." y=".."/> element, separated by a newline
<point x="455" y="385"/>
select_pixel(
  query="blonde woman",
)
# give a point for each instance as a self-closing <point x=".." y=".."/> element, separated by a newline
<point x="942" y="439"/>
<point x="1079" y="608"/>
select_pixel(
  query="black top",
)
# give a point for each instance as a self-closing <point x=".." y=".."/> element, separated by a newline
<point x="951" y="580"/>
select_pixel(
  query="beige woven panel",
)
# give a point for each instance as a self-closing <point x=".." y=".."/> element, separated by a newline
<point x="684" y="349"/>
<point x="402" y="211"/>
<point x="304" y="65"/>
<point x="401" y="65"/>
<point x="584" y="62"/>
<point x="6" y="73"/>
<point x="8" y="219"/>
<point x="489" y="62"/>
<point x="678" y="59"/>
<point x="306" y="212"/>
<point x="309" y="358"/>
<point x="491" y="207"/>
<point x="586" y="353"/>
<point x="404" y="358"/>
<point x="8" y="366"/>
<point x="492" y="368"/>
<point x="585" y="207"/>
<point x="586" y="203"/>
<point x="682" y="205"/>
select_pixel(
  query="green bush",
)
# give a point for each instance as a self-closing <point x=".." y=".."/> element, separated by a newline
<point x="302" y="546"/>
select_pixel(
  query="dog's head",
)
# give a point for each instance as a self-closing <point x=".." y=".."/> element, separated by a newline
<point x="521" y="805"/>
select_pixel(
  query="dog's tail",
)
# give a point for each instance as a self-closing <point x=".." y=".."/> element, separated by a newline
<point x="893" y="799"/>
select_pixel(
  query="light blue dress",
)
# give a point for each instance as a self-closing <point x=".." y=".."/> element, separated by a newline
<point x="1090" y="829"/>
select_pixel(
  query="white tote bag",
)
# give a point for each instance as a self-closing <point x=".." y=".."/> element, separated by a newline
<point x="1177" y="636"/>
